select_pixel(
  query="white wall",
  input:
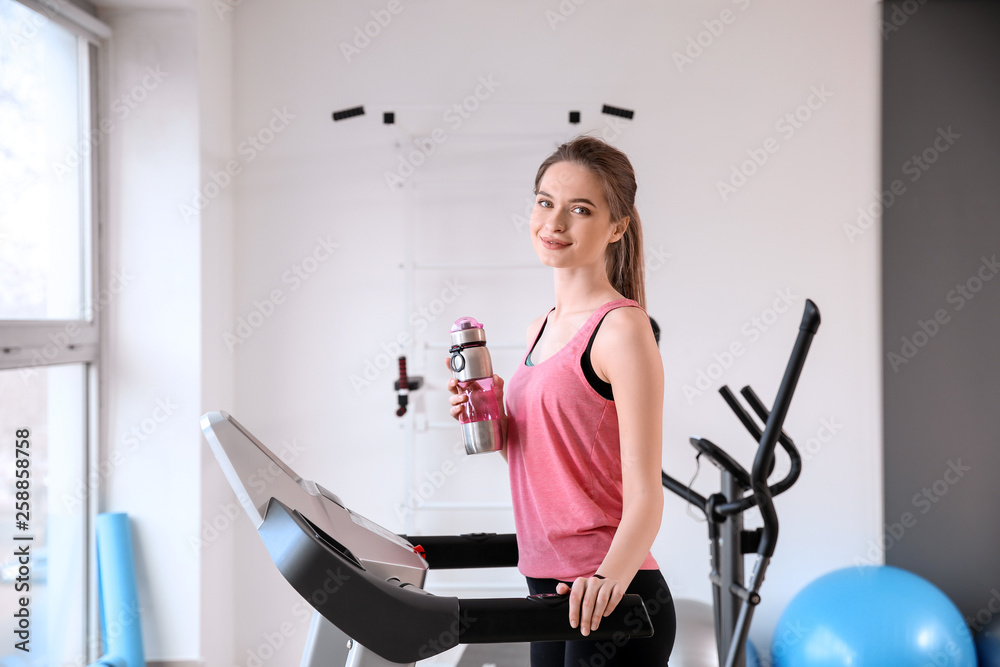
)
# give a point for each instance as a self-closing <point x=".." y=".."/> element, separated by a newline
<point x="782" y="230"/>
<point x="195" y="277"/>
<point x="164" y="357"/>
<point x="152" y="355"/>
<point x="215" y="82"/>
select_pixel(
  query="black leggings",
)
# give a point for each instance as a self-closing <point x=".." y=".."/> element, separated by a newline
<point x="647" y="652"/>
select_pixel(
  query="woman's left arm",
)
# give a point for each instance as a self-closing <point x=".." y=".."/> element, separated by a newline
<point x="626" y="351"/>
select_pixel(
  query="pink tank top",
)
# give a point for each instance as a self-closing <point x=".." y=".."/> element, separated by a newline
<point x="565" y="462"/>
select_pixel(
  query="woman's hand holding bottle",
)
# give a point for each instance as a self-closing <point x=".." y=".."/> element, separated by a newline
<point x="460" y="402"/>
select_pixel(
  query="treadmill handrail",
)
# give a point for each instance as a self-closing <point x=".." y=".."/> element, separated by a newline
<point x="471" y="550"/>
<point x="403" y="623"/>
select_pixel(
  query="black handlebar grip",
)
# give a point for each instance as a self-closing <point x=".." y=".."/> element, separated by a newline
<point x="446" y="552"/>
<point x="685" y="492"/>
<point x="769" y="438"/>
<point x="810" y="318"/>
<point x="794" y="457"/>
<point x="545" y="618"/>
<point x="722" y="460"/>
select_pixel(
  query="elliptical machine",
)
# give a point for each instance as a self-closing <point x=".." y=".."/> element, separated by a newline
<point x="734" y="602"/>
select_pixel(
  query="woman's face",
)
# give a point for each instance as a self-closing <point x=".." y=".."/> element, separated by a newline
<point x="571" y="221"/>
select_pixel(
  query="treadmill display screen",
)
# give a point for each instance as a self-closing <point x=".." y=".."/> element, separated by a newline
<point x="378" y="530"/>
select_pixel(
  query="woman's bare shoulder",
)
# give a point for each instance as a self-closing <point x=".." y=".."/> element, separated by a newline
<point x="625" y="336"/>
<point x="627" y="322"/>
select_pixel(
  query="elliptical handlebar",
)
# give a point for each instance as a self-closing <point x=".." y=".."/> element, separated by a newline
<point x="767" y="438"/>
<point x="786" y="443"/>
<point x="795" y="467"/>
<point x="765" y="453"/>
<point x="685" y="492"/>
<point x="722" y="459"/>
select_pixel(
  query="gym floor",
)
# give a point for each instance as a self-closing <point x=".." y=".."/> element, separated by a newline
<point x="494" y="655"/>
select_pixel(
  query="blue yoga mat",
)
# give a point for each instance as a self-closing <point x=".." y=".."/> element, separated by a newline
<point x="121" y="627"/>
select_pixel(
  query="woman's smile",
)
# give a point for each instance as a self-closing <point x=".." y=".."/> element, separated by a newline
<point x="554" y="244"/>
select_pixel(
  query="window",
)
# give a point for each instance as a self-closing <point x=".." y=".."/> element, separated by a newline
<point x="49" y="333"/>
<point x="43" y="514"/>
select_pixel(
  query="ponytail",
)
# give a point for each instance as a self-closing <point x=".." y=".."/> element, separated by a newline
<point x="624" y="261"/>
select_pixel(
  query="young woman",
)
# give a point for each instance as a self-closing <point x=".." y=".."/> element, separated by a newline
<point x="583" y="416"/>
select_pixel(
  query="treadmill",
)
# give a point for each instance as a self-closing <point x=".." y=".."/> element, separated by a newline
<point x="365" y="583"/>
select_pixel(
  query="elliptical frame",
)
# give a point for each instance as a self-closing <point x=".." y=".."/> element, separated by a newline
<point x="734" y="601"/>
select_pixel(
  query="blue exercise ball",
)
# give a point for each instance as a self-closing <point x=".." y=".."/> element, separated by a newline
<point x="988" y="644"/>
<point x="872" y="616"/>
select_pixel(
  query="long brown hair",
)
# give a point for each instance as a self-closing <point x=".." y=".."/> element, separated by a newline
<point x="624" y="260"/>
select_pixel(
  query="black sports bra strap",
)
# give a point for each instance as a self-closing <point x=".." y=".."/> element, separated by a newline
<point x="600" y="386"/>
<point x="538" y="335"/>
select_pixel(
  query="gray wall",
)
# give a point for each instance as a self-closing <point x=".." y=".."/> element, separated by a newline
<point x="941" y="293"/>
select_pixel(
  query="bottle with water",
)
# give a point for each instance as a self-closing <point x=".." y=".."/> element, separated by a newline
<point x="472" y="367"/>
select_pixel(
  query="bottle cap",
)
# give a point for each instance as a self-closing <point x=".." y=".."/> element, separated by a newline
<point x="465" y="323"/>
<point x="467" y="331"/>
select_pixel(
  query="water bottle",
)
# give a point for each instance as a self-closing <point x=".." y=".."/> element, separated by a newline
<point x="471" y="366"/>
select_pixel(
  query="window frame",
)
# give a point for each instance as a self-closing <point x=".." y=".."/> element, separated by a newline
<point x="31" y="344"/>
